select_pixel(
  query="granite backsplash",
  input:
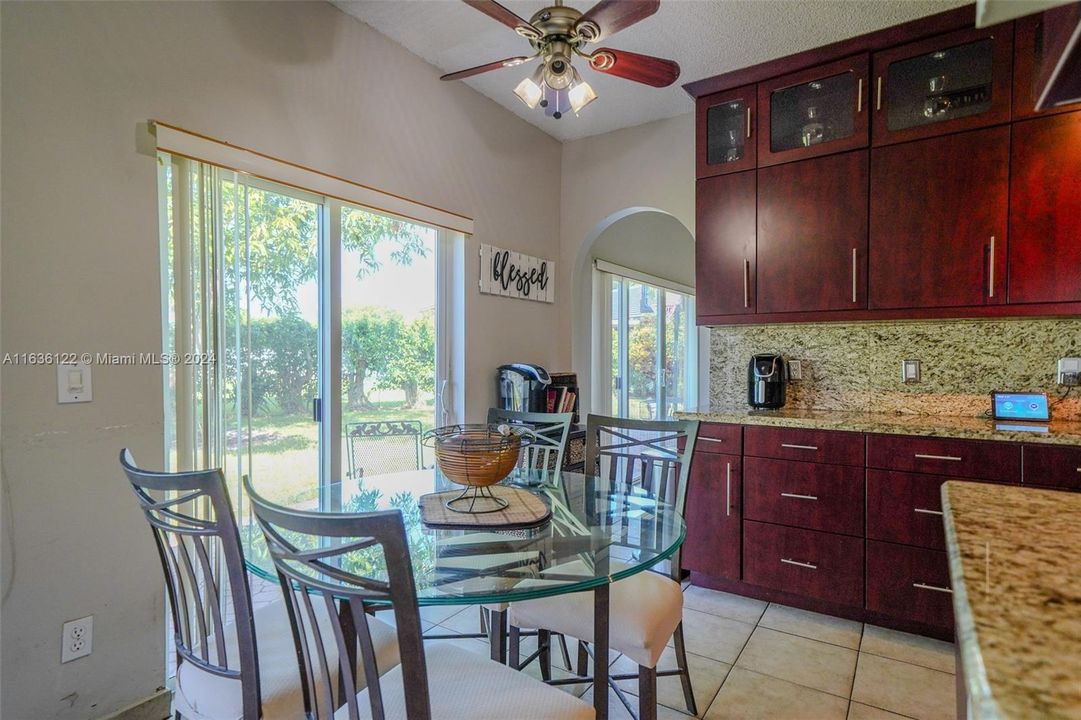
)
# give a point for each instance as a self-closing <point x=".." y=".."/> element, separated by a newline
<point x="857" y="366"/>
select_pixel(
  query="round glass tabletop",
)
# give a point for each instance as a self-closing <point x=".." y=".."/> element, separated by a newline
<point x="599" y="532"/>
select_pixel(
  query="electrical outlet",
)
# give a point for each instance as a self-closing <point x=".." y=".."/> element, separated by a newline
<point x="78" y="639"/>
<point x="1069" y="371"/>
<point x="910" y="371"/>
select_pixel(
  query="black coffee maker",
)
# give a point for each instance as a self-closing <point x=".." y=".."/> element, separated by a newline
<point x="766" y="379"/>
<point x="523" y="387"/>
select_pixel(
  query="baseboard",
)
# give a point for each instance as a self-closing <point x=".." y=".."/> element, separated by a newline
<point x="158" y="706"/>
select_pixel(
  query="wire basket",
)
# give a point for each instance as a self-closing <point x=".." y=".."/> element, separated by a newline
<point x="477" y="457"/>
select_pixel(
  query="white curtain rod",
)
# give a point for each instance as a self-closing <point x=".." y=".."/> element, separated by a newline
<point x="612" y="268"/>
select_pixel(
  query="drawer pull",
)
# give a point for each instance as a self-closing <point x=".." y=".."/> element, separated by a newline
<point x="1078" y="469"/>
<point x="809" y="566"/>
<point x="728" y="490"/>
<point x="951" y="458"/>
<point x="799" y="497"/>
<point x="709" y="439"/>
<point x="926" y="511"/>
<point x="936" y="588"/>
<point x="799" y="447"/>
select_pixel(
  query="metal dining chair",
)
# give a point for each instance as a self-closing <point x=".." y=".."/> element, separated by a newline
<point x="548" y="441"/>
<point x="383" y="446"/>
<point x="230" y="665"/>
<point x="331" y="562"/>
<point x="652" y="457"/>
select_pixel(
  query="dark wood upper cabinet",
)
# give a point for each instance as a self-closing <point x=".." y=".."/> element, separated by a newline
<point x="814" y="112"/>
<point x="939" y="220"/>
<point x="725" y="244"/>
<point x="714" y="516"/>
<point x="812" y="234"/>
<point x="1045" y="210"/>
<point x="953" y="82"/>
<point x="1036" y="49"/>
<point x="724" y="132"/>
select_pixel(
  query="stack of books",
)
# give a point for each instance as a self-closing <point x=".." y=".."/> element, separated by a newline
<point x="563" y="393"/>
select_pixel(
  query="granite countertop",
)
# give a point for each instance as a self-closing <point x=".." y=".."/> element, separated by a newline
<point x="1016" y="578"/>
<point x="1061" y="432"/>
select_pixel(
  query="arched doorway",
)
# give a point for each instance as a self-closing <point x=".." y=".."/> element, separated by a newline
<point x="652" y="246"/>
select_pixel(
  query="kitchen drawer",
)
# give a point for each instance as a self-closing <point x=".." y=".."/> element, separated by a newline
<point x="718" y="438"/>
<point x="829" y="446"/>
<point x="905" y="508"/>
<point x="1052" y="466"/>
<point x="807" y="495"/>
<point x="814" y="564"/>
<point x="909" y="583"/>
<point x="981" y="459"/>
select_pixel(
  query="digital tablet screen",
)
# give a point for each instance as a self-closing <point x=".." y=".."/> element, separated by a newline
<point x="1032" y="407"/>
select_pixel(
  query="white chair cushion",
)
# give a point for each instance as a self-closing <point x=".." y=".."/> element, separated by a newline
<point x="464" y="685"/>
<point x="201" y="695"/>
<point x="644" y="610"/>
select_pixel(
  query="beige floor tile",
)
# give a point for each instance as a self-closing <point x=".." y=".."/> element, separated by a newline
<point x="829" y="629"/>
<point x="859" y="711"/>
<point x="463" y="621"/>
<point x="436" y="614"/>
<point x="713" y="636"/>
<point x="748" y="695"/>
<point x="811" y="663"/>
<point x="617" y="711"/>
<point x="904" y="688"/>
<point x="706" y="678"/>
<point x="715" y="602"/>
<point x="909" y="648"/>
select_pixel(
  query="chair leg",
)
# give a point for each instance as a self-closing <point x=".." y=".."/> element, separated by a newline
<point x="647" y="693"/>
<point x="544" y="644"/>
<point x="565" y="653"/>
<point x="684" y="670"/>
<point x="497" y="636"/>
<point x="514" y="651"/>
<point x="483" y="619"/>
<point x="583" y="660"/>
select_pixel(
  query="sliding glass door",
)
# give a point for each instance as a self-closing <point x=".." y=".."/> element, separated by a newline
<point x="649" y="346"/>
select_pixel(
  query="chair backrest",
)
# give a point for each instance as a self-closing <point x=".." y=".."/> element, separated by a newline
<point x="383" y="446"/>
<point x="549" y="441"/>
<point x="654" y="455"/>
<point x="195" y="530"/>
<point x="315" y="555"/>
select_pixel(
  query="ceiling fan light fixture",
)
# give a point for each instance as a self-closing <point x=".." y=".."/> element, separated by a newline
<point x="529" y="91"/>
<point x="581" y="94"/>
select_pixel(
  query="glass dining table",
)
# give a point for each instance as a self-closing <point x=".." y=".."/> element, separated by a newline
<point x="600" y="531"/>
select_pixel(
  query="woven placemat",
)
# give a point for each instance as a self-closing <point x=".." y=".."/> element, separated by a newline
<point x="524" y="509"/>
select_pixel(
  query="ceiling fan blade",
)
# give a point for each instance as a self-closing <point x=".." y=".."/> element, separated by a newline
<point x="608" y="17"/>
<point x="470" y="72"/>
<point x="645" y="69"/>
<point x="497" y="12"/>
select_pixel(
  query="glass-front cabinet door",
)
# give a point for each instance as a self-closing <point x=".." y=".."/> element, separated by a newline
<point x="1037" y="43"/>
<point x="725" y="132"/>
<point x="814" y="112"/>
<point x="952" y="82"/>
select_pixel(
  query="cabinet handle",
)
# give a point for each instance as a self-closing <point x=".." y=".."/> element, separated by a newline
<point x="810" y="566"/>
<point x="709" y="439"/>
<point x="878" y="95"/>
<point x="728" y="491"/>
<point x="799" y="447"/>
<point x="991" y="270"/>
<point x="1078" y="469"/>
<point x="951" y="458"/>
<point x="853" y="274"/>
<point x="936" y="588"/>
<point x="746" y="282"/>
<point x="925" y="511"/>
<point x="748" y="122"/>
<point x="799" y="497"/>
<point x="859" y="96"/>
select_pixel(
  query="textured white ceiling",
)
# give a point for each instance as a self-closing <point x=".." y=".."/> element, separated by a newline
<point x="706" y="37"/>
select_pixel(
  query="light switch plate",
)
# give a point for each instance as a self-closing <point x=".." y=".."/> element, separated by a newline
<point x="74" y="383"/>
<point x="910" y="371"/>
<point x="795" y="370"/>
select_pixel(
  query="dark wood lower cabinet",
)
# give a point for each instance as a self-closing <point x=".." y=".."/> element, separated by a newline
<point x="905" y="508"/>
<point x="815" y="496"/>
<point x="1052" y="466"/>
<point x="813" y="564"/>
<point x="909" y="583"/>
<point x="713" y="516"/>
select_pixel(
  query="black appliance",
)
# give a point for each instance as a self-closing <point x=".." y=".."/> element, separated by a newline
<point x="523" y="387"/>
<point x="766" y="379"/>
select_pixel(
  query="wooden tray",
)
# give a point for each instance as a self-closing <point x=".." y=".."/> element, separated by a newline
<point x="524" y="509"/>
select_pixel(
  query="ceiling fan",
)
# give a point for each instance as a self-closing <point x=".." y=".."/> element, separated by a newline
<point x="558" y="33"/>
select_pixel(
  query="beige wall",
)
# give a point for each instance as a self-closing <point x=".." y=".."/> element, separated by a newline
<point x="300" y="81"/>
<point x="648" y="166"/>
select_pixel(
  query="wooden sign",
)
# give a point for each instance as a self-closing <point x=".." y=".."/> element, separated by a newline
<point x="505" y="272"/>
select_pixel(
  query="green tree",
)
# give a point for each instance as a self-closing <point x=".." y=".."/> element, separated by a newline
<point x="413" y="367"/>
<point x="371" y="342"/>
